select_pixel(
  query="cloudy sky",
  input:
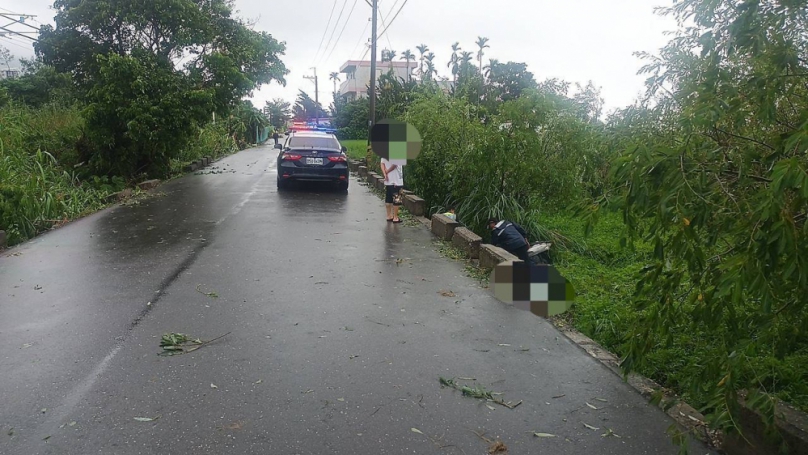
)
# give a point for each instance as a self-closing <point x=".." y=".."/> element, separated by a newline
<point x="575" y="40"/>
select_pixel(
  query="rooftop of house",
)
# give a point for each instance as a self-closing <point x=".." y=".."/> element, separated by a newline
<point x="352" y="65"/>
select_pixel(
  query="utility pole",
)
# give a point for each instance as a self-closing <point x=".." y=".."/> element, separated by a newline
<point x="316" y="95"/>
<point x="372" y="119"/>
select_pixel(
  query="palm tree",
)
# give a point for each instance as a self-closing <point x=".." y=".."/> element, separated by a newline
<point x="422" y="48"/>
<point x="490" y="67"/>
<point x="430" y="70"/>
<point x="464" y="62"/>
<point x="334" y="76"/>
<point x="453" y="62"/>
<point x="481" y="43"/>
<point x="391" y="54"/>
<point x="408" y="56"/>
<point x="430" y="65"/>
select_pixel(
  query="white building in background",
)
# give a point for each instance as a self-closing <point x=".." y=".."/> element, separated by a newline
<point x="357" y="75"/>
<point x="9" y="74"/>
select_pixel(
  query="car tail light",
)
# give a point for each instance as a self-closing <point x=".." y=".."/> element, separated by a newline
<point x="339" y="158"/>
<point x="290" y="157"/>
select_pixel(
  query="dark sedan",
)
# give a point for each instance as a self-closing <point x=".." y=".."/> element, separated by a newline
<point x="312" y="156"/>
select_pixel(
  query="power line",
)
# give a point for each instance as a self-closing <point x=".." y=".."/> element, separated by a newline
<point x="343" y="29"/>
<point x="14" y="43"/>
<point x="394" y="18"/>
<point x="362" y="35"/>
<point x="325" y="31"/>
<point x="385" y="27"/>
<point x="392" y="8"/>
<point x="336" y="24"/>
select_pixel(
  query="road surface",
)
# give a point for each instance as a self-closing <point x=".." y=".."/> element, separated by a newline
<point x="340" y="326"/>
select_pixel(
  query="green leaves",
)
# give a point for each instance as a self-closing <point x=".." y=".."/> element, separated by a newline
<point x="714" y="177"/>
<point x="144" y="106"/>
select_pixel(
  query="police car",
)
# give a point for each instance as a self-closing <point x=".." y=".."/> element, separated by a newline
<point x="312" y="154"/>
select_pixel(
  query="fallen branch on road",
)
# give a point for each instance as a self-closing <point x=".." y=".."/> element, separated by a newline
<point x="180" y="343"/>
<point x="477" y="392"/>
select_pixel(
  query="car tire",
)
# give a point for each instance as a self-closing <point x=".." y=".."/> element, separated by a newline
<point x="282" y="185"/>
<point x="342" y="187"/>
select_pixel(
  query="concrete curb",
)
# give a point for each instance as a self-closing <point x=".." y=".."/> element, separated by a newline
<point x="467" y="241"/>
<point x="414" y="204"/>
<point x="444" y="227"/>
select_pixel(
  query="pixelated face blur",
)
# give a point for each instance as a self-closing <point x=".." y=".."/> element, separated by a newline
<point x="395" y="141"/>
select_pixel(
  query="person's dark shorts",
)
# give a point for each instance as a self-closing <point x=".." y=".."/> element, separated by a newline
<point x="390" y="191"/>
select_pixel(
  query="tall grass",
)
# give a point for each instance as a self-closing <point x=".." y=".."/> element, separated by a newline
<point x="357" y="148"/>
<point x="37" y="192"/>
<point x="213" y="140"/>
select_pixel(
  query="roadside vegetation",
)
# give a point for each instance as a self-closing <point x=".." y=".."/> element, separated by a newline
<point x="681" y="220"/>
<point x="96" y="112"/>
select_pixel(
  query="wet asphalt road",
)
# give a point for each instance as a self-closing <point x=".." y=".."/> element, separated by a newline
<point x="338" y="335"/>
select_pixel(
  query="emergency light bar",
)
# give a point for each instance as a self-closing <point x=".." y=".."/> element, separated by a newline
<point x="303" y="126"/>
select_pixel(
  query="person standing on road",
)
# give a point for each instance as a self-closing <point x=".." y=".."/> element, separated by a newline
<point x="510" y="237"/>
<point x="393" y="183"/>
<point x="275" y="136"/>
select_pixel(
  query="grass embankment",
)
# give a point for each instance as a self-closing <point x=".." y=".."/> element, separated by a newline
<point x="604" y="276"/>
<point x="42" y="181"/>
<point x="357" y="148"/>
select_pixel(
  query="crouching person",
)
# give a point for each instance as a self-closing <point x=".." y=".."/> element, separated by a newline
<point x="510" y="237"/>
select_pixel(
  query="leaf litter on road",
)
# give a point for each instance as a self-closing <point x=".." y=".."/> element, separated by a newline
<point x="146" y="419"/>
<point x="590" y="427"/>
<point x="211" y="294"/>
<point x="544" y="435"/>
<point x="180" y="343"/>
<point x="477" y="392"/>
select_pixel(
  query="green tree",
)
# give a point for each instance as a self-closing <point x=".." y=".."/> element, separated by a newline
<point x="466" y="68"/>
<point x="422" y="50"/>
<point x="454" y="61"/>
<point x="715" y="176"/>
<point x="6" y="57"/>
<point x="334" y="76"/>
<point x="279" y="112"/>
<point x="351" y="120"/>
<point x="306" y="108"/>
<point x="589" y="101"/>
<point x="510" y="80"/>
<point x="121" y="53"/>
<point x="40" y="85"/>
<point x="482" y="44"/>
<point x="408" y="56"/>
<point x="430" y="72"/>
<point x="140" y="113"/>
<point x="245" y="123"/>
<point x="490" y="68"/>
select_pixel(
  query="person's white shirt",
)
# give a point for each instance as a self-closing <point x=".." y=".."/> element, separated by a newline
<point x="395" y="177"/>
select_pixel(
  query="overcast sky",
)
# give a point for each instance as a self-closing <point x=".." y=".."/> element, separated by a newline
<point x="574" y="40"/>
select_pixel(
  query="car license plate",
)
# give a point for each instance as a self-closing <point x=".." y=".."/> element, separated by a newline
<point x="314" y="161"/>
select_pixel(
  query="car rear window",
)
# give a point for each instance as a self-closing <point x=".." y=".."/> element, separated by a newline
<point x="314" y="143"/>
